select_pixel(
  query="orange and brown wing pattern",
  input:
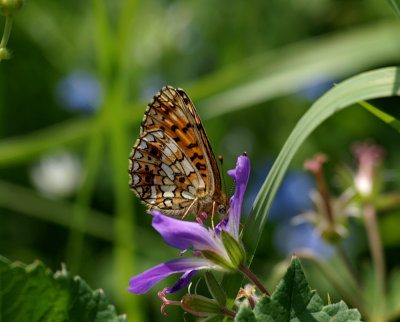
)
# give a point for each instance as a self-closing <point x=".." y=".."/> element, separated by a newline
<point x="208" y="153"/>
<point x="170" y="113"/>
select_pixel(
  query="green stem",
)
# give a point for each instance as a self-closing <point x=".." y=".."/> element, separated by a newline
<point x="348" y="264"/>
<point x="375" y="245"/>
<point x="82" y="204"/>
<point x="253" y="278"/>
<point x="6" y="32"/>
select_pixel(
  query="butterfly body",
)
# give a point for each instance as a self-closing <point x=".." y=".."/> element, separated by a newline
<point x="172" y="166"/>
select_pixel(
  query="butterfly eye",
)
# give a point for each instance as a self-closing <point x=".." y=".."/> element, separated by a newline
<point x="222" y="209"/>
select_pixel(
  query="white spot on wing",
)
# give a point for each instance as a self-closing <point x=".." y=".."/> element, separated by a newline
<point x="136" y="179"/>
<point x="143" y="145"/>
<point x="172" y="146"/>
<point x="167" y="151"/>
<point x="168" y="171"/>
<point x="158" y="134"/>
<point x="135" y="166"/>
<point x="168" y="191"/>
<point x="187" y="195"/>
<point x="186" y="166"/>
<point x="168" y="203"/>
<point x="138" y="155"/>
<point x="153" y="192"/>
<point x="149" y="138"/>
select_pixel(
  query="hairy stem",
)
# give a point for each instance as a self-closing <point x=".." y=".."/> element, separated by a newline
<point x="229" y="312"/>
<point x="253" y="278"/>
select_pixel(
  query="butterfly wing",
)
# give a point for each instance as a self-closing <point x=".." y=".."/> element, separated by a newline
<point x="172" y="164"/>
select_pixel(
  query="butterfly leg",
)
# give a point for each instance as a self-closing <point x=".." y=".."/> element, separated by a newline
<point x="190" y="207"/>
<point x="212" y="215"/>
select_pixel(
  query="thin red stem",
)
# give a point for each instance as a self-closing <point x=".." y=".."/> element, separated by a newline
<point x="253" y="278"/>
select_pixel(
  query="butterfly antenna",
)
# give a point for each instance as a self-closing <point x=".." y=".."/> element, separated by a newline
<point x="221" y="162"/>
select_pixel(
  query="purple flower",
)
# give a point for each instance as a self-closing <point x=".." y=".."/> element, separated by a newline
<point x="211" y="249"/>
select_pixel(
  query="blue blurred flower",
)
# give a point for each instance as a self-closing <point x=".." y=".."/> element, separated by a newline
<point x="79" y="91"/>
<point x="289" y="239"/>
<point x="291" y="198"/>
<point x="317" y="87"/>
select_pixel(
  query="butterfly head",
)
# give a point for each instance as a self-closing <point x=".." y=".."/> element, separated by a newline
<point x="222" y="205"/>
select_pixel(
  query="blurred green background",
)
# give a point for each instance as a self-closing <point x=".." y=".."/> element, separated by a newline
<point x="73" y="95"/>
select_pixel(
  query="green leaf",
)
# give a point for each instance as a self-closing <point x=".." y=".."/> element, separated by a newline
<point x="293" y="300"/>
<point x="215" y="288"/>
<point x="34" y="293"/>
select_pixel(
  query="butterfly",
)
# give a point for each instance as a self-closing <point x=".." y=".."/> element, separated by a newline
<point x="172" y="166"/>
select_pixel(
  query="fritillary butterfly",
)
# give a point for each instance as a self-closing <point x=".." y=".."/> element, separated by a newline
<point x="172" y="166"/>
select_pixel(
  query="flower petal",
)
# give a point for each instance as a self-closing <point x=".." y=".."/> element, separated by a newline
<point x="141" y="283"/>
<point x="183" y="281"/>
<point x="241" y="176"/>
<point x="186" y="235"/>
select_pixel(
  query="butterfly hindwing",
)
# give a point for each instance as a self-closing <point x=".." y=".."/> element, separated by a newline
<point x="172" y="166"/>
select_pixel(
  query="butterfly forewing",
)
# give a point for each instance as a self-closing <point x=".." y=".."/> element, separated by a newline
<point x="172" y="167"/>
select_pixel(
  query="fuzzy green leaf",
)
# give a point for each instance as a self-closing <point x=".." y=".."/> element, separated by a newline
<point x="293" y="300"/>
<point x="33" y="293"/>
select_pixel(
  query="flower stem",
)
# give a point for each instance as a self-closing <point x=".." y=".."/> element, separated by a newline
<point x="375" y="245"/>
<point x="229" y="312"/>
<point x="348" y="264"/>
<point x="324" y="191"/>
<point x="253" y="278"/>
<point x="6" y="32"/>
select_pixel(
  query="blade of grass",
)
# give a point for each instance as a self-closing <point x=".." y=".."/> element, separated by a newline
<point x="124" y="259"/>
<point x="99" y="225"/>
<point x="374" y="84"/>
<point x="23" y="148"/>
<point x="114" y="80"/>
<point x="82" y="204"/>
<point x="30" y="203"/>
<point x="290" y="69"/>
<point x="396" y="7"/>
<point x="385" y="117"/>
<point x="265" y="76"/>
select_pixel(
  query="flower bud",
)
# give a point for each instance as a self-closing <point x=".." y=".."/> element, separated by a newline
<point x="4" y="54"/>
<point x="200" y="305"/>
<point x="235" y="251"/>
<point x="9" y="7"/>
<point x="218" y="260"/>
